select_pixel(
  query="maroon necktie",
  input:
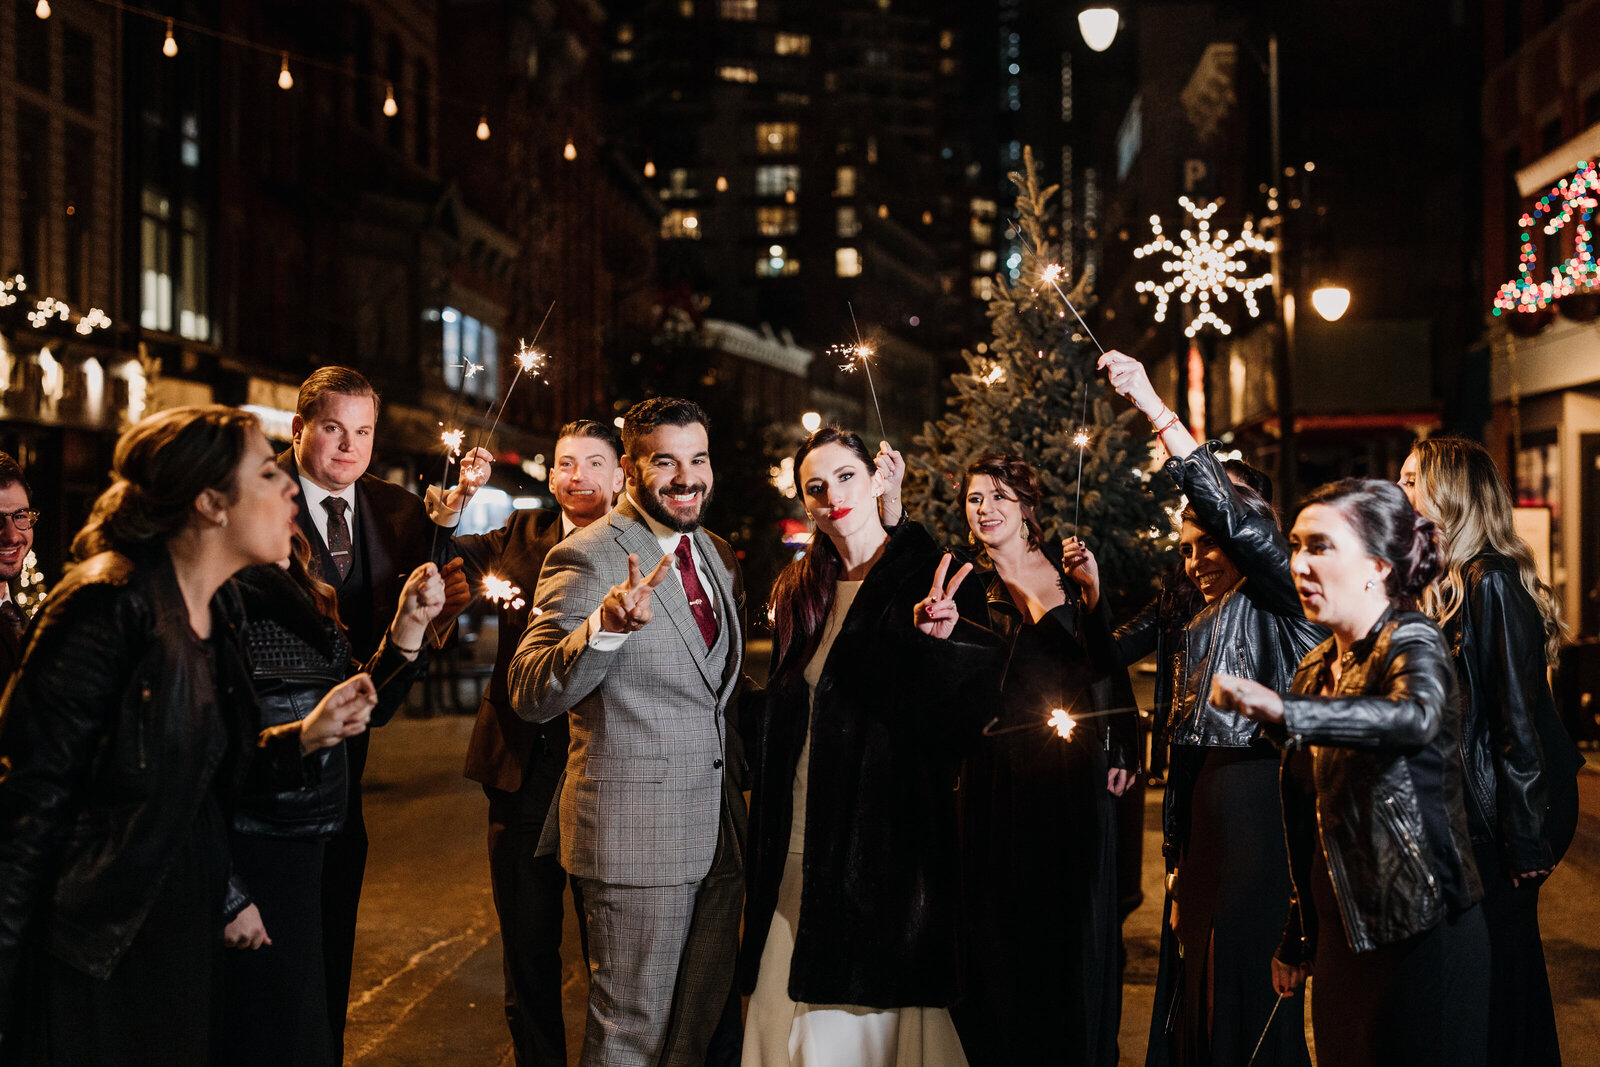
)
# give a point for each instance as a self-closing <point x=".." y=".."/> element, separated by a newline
<point x="704" y="617"/>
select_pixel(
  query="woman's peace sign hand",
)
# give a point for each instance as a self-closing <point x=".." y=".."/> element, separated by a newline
<point x="936" y="614"/>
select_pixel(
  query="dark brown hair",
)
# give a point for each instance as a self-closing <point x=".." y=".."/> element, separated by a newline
<point x="160" y="466"/>
<point x="1390" y="529"/>
<point x="600" y="431"/>
<point x="1016" y="476"/>
<point x="11" y="474"/>
<point x="325" y="380"/>
<point x="642" y="419"/>
<point x="322" y="594"/>
<point x="803" y="593"/>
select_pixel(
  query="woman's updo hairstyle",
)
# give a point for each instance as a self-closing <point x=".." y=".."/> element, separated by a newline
<point x="160" y="466"/>
<point x="1390" y="529"/>
<point x="1013" y="474"/>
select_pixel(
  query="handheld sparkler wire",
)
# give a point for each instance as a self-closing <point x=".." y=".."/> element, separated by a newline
<point x="864" y="354"/>
<point x="529" y="358"/>
<point x="994" y="729"/>
<point x="1265" y="1030"/>
<point x="1052" y="274"/>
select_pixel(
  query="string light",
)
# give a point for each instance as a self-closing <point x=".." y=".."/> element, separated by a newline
<point x="48" y="311"/>
<point x="42" y="9"/>
<point x="649" y="168"/>
<point x="1571" y="201"/>
<point x="390" y="108"/>
<point x="169" y="47"/>
<point x="722" y="183"/>
<point x="483" y="127"/>
<point x="285" y="79"/>
<point x="570" y="152"/>
<point x="1205" y="268"/>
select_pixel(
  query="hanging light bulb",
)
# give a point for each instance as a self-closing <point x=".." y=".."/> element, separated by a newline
<point x="42" y="9"/>
<point x="1099" y="25"/>
<point x="649" y="168"/>
<point x="571" y="151"/>
<point x="169" y="47"/>
<point x="483" y="127"/>
<point x="722" y="183"/>
<point x="285" y="79"/>
<point x="390" y="108"/>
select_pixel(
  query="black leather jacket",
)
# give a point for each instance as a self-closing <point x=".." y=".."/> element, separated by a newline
<point x="1518" y="756"/>
<point x="1158" y="628"/>
<point x="296" y="656"/>
<point x="103" y="764"/>
<point x="1388" y="812"/>
<point x="1255" y="630"/>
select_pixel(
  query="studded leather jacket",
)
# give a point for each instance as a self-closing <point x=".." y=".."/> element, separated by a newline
<point x="1387" y="807"/>
<point x="1518" y="756"/>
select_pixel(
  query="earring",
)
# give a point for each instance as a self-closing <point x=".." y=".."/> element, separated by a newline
<point x="1370" y="583"/>
<point x="222" y="520"/>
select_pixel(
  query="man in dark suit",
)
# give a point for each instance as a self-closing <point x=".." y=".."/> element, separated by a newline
<point x="16" y="541"/>
<point x="366" y="536"/>
<point x="518" y="762"/>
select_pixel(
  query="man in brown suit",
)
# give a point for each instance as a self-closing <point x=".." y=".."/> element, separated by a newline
<point x="16" y="540"/>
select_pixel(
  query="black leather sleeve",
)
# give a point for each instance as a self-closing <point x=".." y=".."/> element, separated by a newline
<point x="1406" y="715"/>
<point x="1136" y="638"/>
<point x="480" y="553"/>
<point x="1507" y="647"/>
<point x="54" y="722"/>
<point x="1253" y="543"/>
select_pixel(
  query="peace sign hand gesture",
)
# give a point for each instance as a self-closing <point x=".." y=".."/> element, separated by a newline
<point x="936" y="614"/>
<point x="626" y="607"/>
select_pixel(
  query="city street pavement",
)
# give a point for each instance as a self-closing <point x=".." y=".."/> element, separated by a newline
<point x="427" y="984"/>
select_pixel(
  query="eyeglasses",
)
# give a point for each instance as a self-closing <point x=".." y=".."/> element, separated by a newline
<point x="22" y="518"/>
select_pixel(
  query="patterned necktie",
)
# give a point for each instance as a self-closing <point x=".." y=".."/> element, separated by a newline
<point x="13" y="618"/>
<point x="338" y="534"/>
<point x="699" y="603"/>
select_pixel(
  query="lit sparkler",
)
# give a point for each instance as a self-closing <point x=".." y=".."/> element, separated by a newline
<point x="451" y="439"/>
<point x="860" y="354"/>
<point x="502" y="593"/>
<point x="531" y="360"/>
<point x="1062" y="723"/>
<point x="1051" y="276"/>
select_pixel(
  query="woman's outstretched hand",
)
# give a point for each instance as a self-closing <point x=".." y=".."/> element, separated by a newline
<point x="1245" y="697"/>
<point x="343" y="713"/>
<point x="936" y="614"/>
<point x="1080" y="565"/>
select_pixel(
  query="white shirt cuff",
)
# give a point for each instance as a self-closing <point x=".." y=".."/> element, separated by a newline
<point x="599" y="639"/>
<point x="438" y="512"/>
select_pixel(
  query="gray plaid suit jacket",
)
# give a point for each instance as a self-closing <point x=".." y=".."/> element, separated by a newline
<point x="639" y="801"/>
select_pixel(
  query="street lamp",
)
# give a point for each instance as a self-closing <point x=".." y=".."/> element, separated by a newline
<point x="1099" y="24"/>
<point x="811" y="420"/>
<point x="1331" y="301"/>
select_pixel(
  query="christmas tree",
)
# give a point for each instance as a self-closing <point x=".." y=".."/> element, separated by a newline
<point x="1032" y="394"/>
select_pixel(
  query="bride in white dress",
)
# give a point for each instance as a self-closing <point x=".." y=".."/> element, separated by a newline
<point x="876" y="960"/>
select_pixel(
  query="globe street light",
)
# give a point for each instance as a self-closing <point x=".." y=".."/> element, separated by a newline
<point x="1331" y="301"/>
<point x="1099" y="25"/>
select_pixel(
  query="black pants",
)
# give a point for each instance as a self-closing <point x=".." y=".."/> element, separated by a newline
<point x="277" y="1003"/>
<point x="528" y="898"/>
<point x="344" y="865"/>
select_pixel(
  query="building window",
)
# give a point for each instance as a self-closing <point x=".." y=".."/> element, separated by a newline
<point x="33" y="190"/>
<point x="983" y="288"/>
<point x="847" y="262"/>
<point x="739" y="10"/>
<point x="422" y="107"/>
<point x="776" y="180"/>
<point x="844" y="182"/>
<point x="463" y="339"/>
<point x="686" y="8"/>
<point x="846" y="223"/>
<point x="195" y="271"/>
<point x="777" y="221"/>
<point x="947" y="40"/>
<point x="625" y="33"/>
<point x="77" y="69"/>
<point x="678" y="223"/>
<point x="32" y="47"/>
<point x="792" y="44"/>
<point x="394" y="128"/>
<point x="984" y="260"/>
<point x="777" y="263"/>
<point x="77" y="159"/>
<point x="678" y="185"/>
<point x="155" y="262"/>
<point x="777" y="138"/>
<point x="737" y="74"/>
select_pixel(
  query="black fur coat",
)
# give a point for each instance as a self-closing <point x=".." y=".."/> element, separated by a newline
<point x="880" y="907"/>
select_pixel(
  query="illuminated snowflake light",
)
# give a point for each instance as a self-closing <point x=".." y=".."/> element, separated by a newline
<point x="1204" y="267"/>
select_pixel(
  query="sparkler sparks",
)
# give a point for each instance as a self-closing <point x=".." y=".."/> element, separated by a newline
<point x="501" y="592"/>
<point x="451" y="439"/>
<point x="469" y="369"/>
<point x="1062" y="723"/>
<point x="860" y="354"/>
<point x="530" y="360"/>
<point x="1081" y="438"/>
<point x="993" y="376"/>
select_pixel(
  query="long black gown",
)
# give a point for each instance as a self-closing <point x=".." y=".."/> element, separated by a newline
<point x="1039" y="854"/>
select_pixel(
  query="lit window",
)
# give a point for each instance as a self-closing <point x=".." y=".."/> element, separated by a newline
<point x="679" y="223"/>
<point x="678" y="186"/>
<point x="984" y="260"/>
<point x="982" y="232"/>
<point x="777" y="138"/>
<point x="983" y="288"/>
<point x="792" y="44"/>
<point x="777" y="221"/>
<point x="777" y="179"/>
<point x="872" y="150"/>
<point x="844" y="182"/>
<point x="625" y="33"/>
<point x="739" y="10"/>
<point x="847" y="262"/>
<point x="847" y="224"/>
<point x="776" y="263"/>
<point x="686" y="8"/>
<point x="737" y="74"/>
<point x="948" y="65"/>
<point x="463" y="339"/>
<point x="947" y="40"/>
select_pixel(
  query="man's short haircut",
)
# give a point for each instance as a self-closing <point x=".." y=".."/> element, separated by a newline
<point x="643" y="418"/>
<point x="326" y="380"/>
<point x="600" y="431"/>
<point x="11" y="474"/>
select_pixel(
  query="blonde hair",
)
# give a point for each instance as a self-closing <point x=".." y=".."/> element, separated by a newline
<point x="1460" y="488"/>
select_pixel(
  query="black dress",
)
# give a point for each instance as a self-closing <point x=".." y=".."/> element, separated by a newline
<point x="1040" y="981"/>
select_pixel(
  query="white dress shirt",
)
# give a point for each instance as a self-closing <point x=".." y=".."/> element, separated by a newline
<point x="312" y="495"/>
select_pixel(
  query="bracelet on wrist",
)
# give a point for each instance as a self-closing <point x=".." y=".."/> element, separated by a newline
<point x="1162" y="425"/>
<point x="398" y="647"/>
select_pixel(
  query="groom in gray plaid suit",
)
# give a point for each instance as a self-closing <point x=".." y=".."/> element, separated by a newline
<point x="647" y="662"/>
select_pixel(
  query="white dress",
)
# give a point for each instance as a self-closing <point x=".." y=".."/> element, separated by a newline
<point x="781" y="1033"/>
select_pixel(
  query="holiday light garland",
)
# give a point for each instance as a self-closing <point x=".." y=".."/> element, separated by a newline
<point x="1571" y="200"/>
<point x="48" y="311"/>
<point x="1206" y="267"/>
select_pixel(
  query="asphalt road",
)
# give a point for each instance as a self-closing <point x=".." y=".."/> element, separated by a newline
<point x="427" y="979"/>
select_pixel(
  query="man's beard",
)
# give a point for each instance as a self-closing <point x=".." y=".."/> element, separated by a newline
<point x="657" y="509"/>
